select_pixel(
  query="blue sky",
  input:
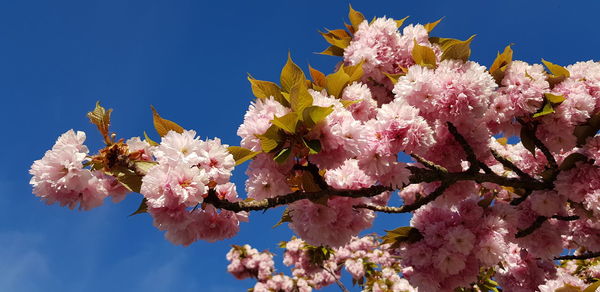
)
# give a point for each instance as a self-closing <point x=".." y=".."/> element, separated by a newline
<point x="189" y="59"/>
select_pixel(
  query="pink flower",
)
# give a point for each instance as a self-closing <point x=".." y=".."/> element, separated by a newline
<point x="174" y="185"/>
<point x="59" y="177"/>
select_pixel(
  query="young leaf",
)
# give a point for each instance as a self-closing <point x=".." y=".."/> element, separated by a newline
<point x="241" y="154"/>
<point x="393" y="77"/>
<point x="143" y="208"/>
<point x="334" y="40"/>
<point x="145" y="166"/>
<point x="312" y="115"/>
<point x="285" y="217"/>
<point x="356" y="18"/>
<point x="163" y="126"/>
<point x="423" y="55"/>
<point x="355" y="72"/>
<point x="317" y="76"/>
<point x="314" y="146"/>
<point x="458" y="50"/>
<point x="347" y="103"/>
<point x="291" y="75"/>
<point x="402" y="234"/>
<point x="430" y="26"/>
<point x="131" y="181"/>
<point x="333" y="51"/>
<point x="283" y="155"/>
<point x="556" y="70"/>
<point x="150" y="141"/>
<point x="265" y="89"/>
<point x="546" y="110"/>
<point x="592" y="288"/>
<point x="270" y="139"/>
<point x="101" y="118"/>
<point x="337" y="81"/>
<point x="287" y="122"/>
<point x="400" y="22"/>
<point x="500" y="64"/>
<point x="300" y="98"/>
<point x="554" y="99"/>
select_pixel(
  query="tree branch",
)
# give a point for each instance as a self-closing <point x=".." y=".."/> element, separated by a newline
<point x="471" y="157"/>
<point x="538" y="223"/>
<point x="268" y="203"/>
<point x="407" y="208"/>
<point x="508" y="164"/>
<point x="584" y="256"/>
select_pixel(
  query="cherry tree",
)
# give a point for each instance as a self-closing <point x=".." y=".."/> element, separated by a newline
<point x="487" y="215"/>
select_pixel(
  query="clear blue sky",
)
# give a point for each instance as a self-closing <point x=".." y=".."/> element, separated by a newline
<point x="189" y="59"/>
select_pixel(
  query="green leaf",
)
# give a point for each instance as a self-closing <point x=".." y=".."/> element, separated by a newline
<point x="291" y="75"/>
<point x="546" y="110"/>
<point x="554" y="99"/>
<point x="130" y="180"/>
<point x="283" y="155"/>
<point x="265" y="89"/>
<point x="402" y="234"/>
<point x="163" y="126"/>
<point x="592" y="288"/>
<point x="314" y="146"/>
<point x="430" y="26"/>
<point x="527" y="140"/>
<point x="356" y="18"/>
<point x="458" y="50"/>
<point x="347" y="103"/>
<point x="145" y="166"/>
<point x="300" y="98"/>
<point x="287" y="123"/>
<point x="424" y="56"/>
<point x="270" y="139"/>
<point x="556" y="70"/>
<point x="150" y="141"/>
<point x="285" y="217"/>
<point x="400" y="22"/>
<point x="337" y="81"/>
<point x="333" y="51"/>
<point x="143" y="208"/>
<point x="312" y="115"/>
<point x="355" y="72"/>
<point x="500" y="64"/>
<point x="241" y="154"/>
<point x="101" y="118"/>
<point x="333" y="39"/>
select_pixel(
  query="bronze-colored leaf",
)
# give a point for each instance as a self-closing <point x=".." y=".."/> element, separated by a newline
<point x="163" y="126"/>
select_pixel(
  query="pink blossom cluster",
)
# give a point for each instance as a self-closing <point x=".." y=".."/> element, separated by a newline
<point x="61" y="177"/>
<point x="456" y="243"/>
<point x="188" y="168"/>
<point x="364" y="258"/>
<point x="247" y="262"/>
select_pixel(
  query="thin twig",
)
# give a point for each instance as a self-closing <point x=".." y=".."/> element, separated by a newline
<point x="539" y="221"/>
<point x="337" y="281"/>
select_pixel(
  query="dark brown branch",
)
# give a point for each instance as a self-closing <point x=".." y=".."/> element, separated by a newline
<point x="407" y="208"/>
<point x="471" y="157"/>
<point x="508" y="164"/>
<point x="264" y="204"/>
<point x="539" y="144"/>
<point x="538" y="223"/>
<point x="428" y="163"/>
<point x="521" y="199"/>
<point x="534" y="226"/>
<point x="584" y="256"/>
